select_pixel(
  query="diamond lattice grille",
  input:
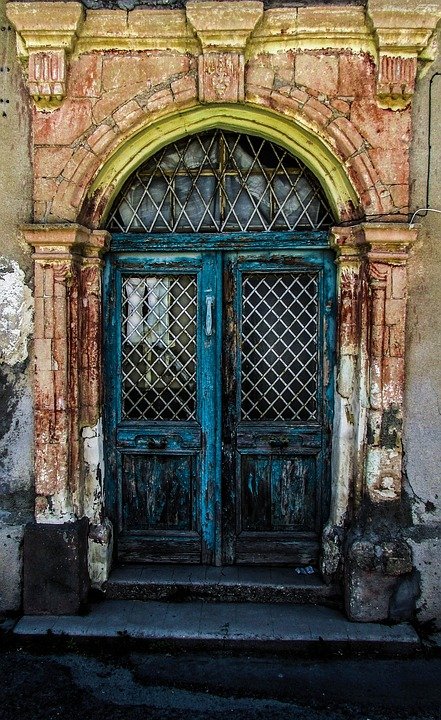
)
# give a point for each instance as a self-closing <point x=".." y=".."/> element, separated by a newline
<point x="279" y="360"/>
<point x="159" y="347"/>
<point x="219" y="181"/>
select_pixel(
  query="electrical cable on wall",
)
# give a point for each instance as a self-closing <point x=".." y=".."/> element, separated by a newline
<point x="427" y="209"/>
<point x="420" y="210"/>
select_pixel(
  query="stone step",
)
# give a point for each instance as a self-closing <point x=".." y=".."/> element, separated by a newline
<point x="243" y="627"/>
<point x="182" y="583"/>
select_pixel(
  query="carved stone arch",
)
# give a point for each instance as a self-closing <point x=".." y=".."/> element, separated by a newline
<point x="69" y="443"/>
<point x="295" y="135"/>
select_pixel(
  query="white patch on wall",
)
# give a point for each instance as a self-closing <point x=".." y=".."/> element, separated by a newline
<point x="93" y="453"/>
<point x="16" y="313"/>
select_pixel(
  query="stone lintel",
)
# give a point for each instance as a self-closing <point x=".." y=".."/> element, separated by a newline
<point x="397" y="33"/>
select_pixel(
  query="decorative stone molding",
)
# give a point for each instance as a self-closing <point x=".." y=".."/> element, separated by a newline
<point x="221" y="77"/>
<point x="139" y="29"/>
<point x="396" y="79"/>
<point x="223" y="30"/>
<point x="46" y="35"/>
<point x="396" y="33"/>
<point x="47" y="76"/>
<point x="312" y="28"/>
<point x="402" y="33"/>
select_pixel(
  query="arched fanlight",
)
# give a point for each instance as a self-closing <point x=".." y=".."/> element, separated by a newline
<point x="220" y="181"/>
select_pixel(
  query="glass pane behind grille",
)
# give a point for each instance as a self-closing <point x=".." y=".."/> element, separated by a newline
<point x="219" y="181"/>
<point x="159" y="347"/>
<point x="279" y="360"/>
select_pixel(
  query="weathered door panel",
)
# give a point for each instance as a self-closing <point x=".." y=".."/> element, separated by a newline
<point x="276" y="410"/>
<point x="162" y="356"/>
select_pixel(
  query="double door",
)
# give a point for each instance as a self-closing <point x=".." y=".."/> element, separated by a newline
<point x="218" y="404"/>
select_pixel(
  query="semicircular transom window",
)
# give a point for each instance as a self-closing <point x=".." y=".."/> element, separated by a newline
<point x="221" y="181"/>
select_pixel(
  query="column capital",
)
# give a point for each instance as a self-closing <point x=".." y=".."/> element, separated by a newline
<point x="388" y="243"/>
<point x="64" y="241"/>
<point x="347" y="241"/>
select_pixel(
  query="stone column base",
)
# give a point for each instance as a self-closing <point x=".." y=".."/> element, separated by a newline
<point x="378" y="581"/>
<point x="56" y="580"/>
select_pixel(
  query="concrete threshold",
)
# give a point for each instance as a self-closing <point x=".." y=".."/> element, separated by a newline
<point x="235" y="583"/>
<point x="250" y="627"/>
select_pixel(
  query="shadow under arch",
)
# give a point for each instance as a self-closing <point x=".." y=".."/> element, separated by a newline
<point x="283" y="130"/>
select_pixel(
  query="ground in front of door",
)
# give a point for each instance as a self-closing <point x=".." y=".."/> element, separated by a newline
<point x="198" y="686"/>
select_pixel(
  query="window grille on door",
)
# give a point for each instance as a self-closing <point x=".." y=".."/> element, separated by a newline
<point x="159" y="347"/>
<point x="279" y="350"/>
<point x="221" y="181"/>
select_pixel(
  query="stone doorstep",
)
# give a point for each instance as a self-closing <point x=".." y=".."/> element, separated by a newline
<point x="219" y="584"/>
<point x="251" y="627"/>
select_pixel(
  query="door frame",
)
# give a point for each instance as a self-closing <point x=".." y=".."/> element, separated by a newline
<point x="139" y="243"/>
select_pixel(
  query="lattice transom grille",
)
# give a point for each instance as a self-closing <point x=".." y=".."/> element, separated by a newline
<point x="220" y="181"/>
<point x="159" y="347"/>
<point x="279" y="361"/>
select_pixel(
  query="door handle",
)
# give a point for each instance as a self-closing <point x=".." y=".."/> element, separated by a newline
<point x="157" y="443"/>
<point x="209" y="305"/>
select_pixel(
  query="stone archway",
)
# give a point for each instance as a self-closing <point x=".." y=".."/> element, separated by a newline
<point x="86" y="144"/>
<point x="366" y="437"/>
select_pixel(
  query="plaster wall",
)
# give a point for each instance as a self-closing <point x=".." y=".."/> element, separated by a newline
<point x="16" y="412"/>
<point x="422" y="430"/>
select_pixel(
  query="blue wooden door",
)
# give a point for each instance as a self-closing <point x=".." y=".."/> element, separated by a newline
<point x="277" y="405"/>
<point x="163" y="406"/>
<point x="218" y="398"/>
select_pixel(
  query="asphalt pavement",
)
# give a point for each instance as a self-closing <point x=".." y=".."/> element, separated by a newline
<point x="197" y="686"/>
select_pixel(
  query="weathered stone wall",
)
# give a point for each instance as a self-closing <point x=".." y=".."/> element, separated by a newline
<point x="422" y="444"/>
<point x="16" y="417"/>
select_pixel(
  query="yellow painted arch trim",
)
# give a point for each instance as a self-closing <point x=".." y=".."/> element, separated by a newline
<point x="284" y="131"/>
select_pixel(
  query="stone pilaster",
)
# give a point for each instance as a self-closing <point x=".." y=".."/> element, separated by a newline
<point x="387" y="250"/>
<point x="57" y="258"/>
<point x="378" y="559"/>
<point x="68" y="478"/>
